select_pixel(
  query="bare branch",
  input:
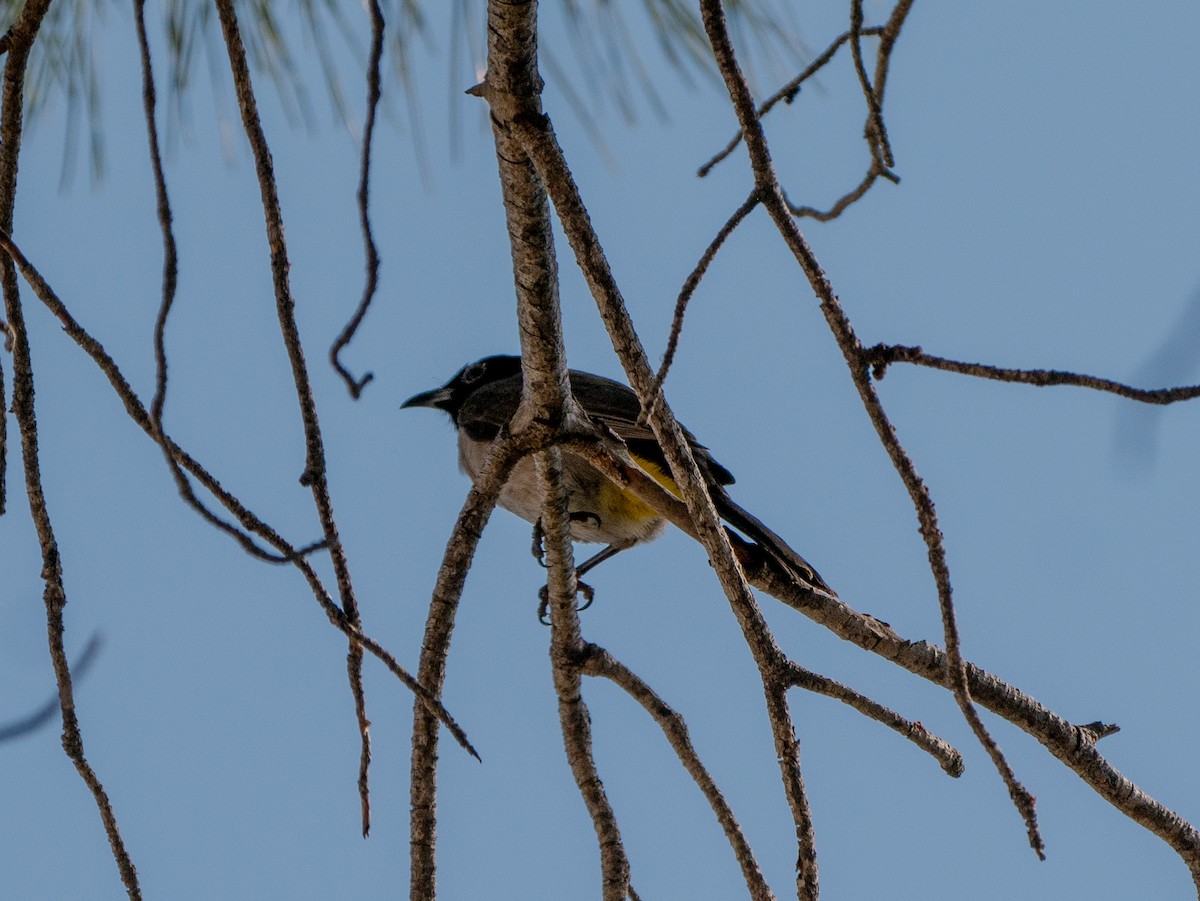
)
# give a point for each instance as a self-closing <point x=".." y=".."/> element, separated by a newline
<point x="1074" y="745"/>
<point x="314" y="472"/>
<point x="23" y="33"/>
<point x="881" y="356"/>
<point x="947" y="757"/>
<point x="693" y="282"/>
<point x="767" y="182"/>
<point x="435" y="648"/>
<point x="355" y="386"/>
<point x="596" y="661"/>
<point x="538" y="141"/>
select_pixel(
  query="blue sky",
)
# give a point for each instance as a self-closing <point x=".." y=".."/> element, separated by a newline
<point x="1046" y="218"/>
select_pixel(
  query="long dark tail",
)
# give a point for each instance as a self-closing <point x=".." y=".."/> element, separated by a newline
<point x="753" y="529"/>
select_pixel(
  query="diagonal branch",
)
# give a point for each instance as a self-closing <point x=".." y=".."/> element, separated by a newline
<point x="1074" y="745"/>
<point x="693" y="282"/>
<point x="596" y="661"/>
<point x="772" y="196"/>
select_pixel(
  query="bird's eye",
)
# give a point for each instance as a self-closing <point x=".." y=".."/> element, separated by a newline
<point x="473" y="373"/>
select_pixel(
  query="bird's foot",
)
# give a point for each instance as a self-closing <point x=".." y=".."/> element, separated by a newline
<point x="581" y="588"/>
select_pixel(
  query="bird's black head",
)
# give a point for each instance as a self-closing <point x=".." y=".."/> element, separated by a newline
<point x="451" y="396"/>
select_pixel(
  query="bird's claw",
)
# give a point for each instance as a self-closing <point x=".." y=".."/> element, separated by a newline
<point x="581" y="588"/>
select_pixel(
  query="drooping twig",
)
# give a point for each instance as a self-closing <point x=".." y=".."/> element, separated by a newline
<point x="286" y="552"/>
<point x="355" y="386"/>
<point x="22" y="35"/>
<point x="314" y="472"/>
<point x="169" y="280"/>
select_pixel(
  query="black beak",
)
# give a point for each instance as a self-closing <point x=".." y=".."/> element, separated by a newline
<point x="437" y="399"/>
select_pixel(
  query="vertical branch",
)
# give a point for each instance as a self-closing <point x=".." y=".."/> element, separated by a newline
<point x="22" y="35"/>
<point x="512" y="88"/>
<point x="567" y="655"/>
<point x="314" y="471"/>
<point x="435" y="649"/>
<point x="538" y="141"/>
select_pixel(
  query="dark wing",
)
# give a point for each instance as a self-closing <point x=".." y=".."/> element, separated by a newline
<point x="491" y="407"/>
<point x="618" y="408"/>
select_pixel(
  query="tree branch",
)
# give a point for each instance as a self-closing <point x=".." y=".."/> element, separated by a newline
<point x="355" y="386"/>
<point x="768" y="185"/>
<point x="314" y="472"/>
<point x="881" y="356"/>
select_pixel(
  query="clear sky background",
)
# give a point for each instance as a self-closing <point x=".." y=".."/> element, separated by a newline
<point x="1046" y="218"/>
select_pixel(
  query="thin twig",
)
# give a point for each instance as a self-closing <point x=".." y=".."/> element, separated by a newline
<point x="881" y="356"/>
<point x="787" y="93"/>
<point x="23" y="32"/>
<point x="948" y="758"/>
<point x="693" y="282"/>
<point x="314" y="470"/>
<point x="596" y="661"/>
<point x="852" y="196"/>
<point x="355" y="386"/>
<point x="772" y="197"/>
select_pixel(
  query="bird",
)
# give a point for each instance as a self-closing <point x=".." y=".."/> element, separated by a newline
<point x="482" y="398"/>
